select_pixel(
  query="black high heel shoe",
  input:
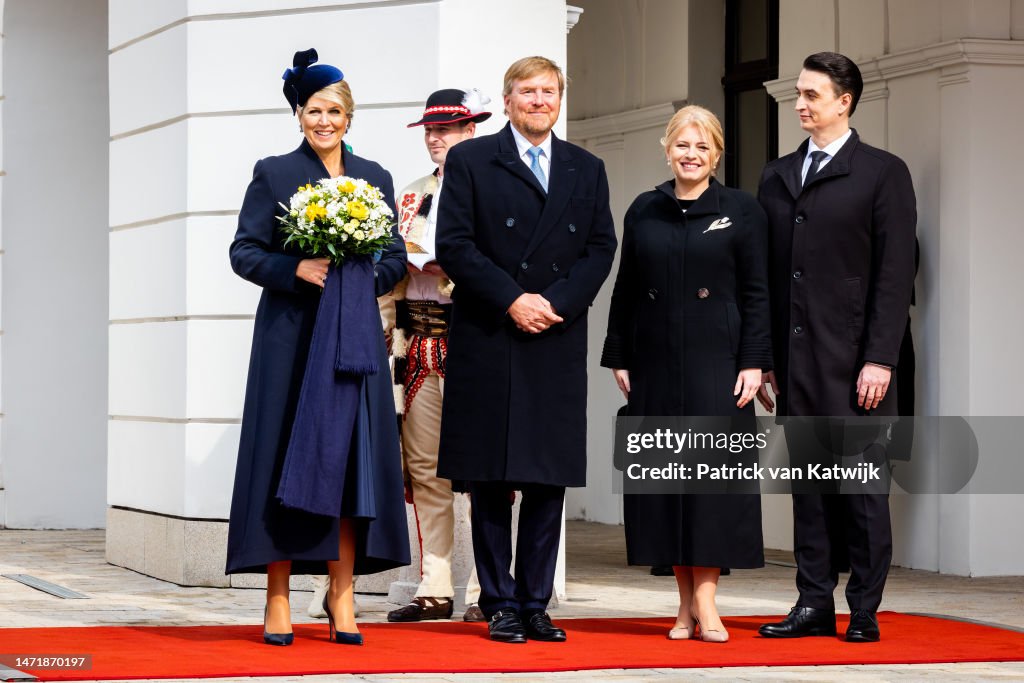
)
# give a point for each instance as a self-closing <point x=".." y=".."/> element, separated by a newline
<point x="275" y="638"/>
<point x="340" y="636"/>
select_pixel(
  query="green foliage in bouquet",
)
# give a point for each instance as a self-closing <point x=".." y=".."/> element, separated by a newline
<point x="338" y="218"/>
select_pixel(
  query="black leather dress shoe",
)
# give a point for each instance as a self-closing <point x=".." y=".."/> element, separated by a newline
<point x="539" y="627"/>
<point x="506" y="627"/>
<point x="802" y="621"/>
<point x="863" y="627"/>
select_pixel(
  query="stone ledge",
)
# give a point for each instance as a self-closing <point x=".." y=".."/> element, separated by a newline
<point x="182" y="551"/>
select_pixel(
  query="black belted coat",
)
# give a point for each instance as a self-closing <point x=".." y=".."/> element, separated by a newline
<point x="515" y="403"/>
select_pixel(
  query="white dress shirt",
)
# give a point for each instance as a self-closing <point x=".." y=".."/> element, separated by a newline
<point x="831" y="149"/>
<point x="524" y="145"/>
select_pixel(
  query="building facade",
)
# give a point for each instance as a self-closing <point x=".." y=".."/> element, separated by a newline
<point x="129" y="133"/>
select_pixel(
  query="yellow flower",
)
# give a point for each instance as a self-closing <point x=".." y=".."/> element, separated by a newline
<point x="359" y="235"/>
<point x="347" y="187"/>
<point x="314" y="211"/>
<point x="358" y="210"/>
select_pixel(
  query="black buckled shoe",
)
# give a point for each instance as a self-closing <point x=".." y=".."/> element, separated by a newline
<point x="863" y="627"/>
<point x="423" y="609"/>
<point x="506" y="627"/>
<point x="539" y="627"/>
<point x="802" y="621"/>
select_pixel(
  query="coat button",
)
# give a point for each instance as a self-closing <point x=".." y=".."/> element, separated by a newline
<point x="797" y="275"/>
<point x="653" y="293"/>
<point x="703" y="293"/>
<point x="798" y="330"/>
<point x="800" y="219"/>
<point x="509" y="222"/>
<point x="572" y="227"/>
<point x="524" y="265"/>
<point x="554" y="267"/>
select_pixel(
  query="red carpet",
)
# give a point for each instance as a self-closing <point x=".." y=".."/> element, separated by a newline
<point x="220" y="651"/>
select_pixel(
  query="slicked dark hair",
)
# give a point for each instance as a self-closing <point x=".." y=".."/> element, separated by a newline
<point x="843" y="73"/>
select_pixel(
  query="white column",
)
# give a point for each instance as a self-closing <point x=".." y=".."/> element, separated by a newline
<point x="195" y="100"/>
<point x="54" y="263"/>
<point x="3" y="493"/>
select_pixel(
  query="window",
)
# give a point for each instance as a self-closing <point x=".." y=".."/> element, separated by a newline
<point x="751" y="115"/>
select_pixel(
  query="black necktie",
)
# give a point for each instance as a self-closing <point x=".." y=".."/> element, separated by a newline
<point x="816" y="159"/>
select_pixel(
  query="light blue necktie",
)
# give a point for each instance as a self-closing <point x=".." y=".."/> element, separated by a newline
<point x="535" y="153"/>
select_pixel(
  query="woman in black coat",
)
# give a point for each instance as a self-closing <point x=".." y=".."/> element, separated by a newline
<point x="688" y="335"/>
<point x="265" y="535"/>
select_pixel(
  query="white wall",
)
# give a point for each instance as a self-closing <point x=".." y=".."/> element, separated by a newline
<point x="3" y="173"/>
<point x="198" y="86"/>
<point x="54" y="263"/>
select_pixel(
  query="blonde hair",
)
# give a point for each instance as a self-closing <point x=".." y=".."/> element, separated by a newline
<point x="528" y="67"/>
<point x="704" y="120"/>
<point x="340" y="94"/>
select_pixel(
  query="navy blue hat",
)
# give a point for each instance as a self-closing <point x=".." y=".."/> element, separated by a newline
<point x="306" y="77"/>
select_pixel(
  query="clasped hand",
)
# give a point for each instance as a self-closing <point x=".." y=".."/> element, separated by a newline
<point x="313" y="270"/>
<point x="533" y="313"/>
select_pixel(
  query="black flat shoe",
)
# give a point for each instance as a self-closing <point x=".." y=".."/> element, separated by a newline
<point x="337" y="636"/>
<point x="539" y="627"/>
<point x="801" y="622"/>
<point x="275" y="638"/>
<point x="506" y="627"/>
<point x="863" y="627"/>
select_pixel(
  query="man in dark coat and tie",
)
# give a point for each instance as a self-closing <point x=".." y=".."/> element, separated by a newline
<point x="526" y="234"/>
<point x="842" y="217"/>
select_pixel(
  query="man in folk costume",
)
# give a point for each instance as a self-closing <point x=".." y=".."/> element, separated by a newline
<point x="420" y="309"/>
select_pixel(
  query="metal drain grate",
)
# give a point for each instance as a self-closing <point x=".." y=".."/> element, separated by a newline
<point x="8" y="674"/>
<point x="46" y="586"/>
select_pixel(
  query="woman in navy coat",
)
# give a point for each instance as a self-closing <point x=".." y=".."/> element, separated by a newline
<point x="264" y="535"/>
<point x="688" y="335"/>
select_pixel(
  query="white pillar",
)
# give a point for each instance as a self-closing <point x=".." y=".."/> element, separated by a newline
<point x="195" y="100"/>
<point x="3" y="495"/>
<point x="54" y="263"/>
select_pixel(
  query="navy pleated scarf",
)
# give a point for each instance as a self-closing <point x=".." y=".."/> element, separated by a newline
<point x="327" y="468"/>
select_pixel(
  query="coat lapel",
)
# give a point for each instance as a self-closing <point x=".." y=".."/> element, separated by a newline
<point x="839" y="164"/>
<point x="791" y="171"/>
<point x="561" y="183"/>
<point x="508" y="158"/>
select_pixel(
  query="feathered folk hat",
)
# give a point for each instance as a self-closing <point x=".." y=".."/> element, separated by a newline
<point x="306" y="77"/>
<point x="452" y="105"/>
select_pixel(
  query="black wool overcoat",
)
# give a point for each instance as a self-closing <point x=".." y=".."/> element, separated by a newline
<point x="690" y="304"/>
<point x="689" y="311"/>
<point x="841" y="258"/>
<point x="260" y="529"/>
<point x="515" y="403"/>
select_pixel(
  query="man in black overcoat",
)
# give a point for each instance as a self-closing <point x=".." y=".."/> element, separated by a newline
<point x="526" y="234"/>
<point x="842" y="219"/>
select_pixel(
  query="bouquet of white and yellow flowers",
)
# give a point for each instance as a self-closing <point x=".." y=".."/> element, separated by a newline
<point x="338" y="218"/>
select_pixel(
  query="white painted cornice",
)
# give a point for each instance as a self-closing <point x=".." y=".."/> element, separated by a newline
<point x="951" y="57"/>
<point x="619" y="123"/>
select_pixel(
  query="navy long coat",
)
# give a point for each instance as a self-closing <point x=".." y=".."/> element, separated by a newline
<point x="515" y="403"/>
<point x="841" y="263"/>
<point x="260" y="529"/>
<point x="689" y="311"/>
